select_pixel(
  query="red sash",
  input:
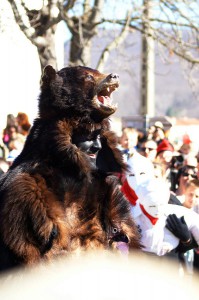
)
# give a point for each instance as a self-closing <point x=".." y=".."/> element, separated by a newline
<point x="152" y="219"/>
<point x="129" y="193"/>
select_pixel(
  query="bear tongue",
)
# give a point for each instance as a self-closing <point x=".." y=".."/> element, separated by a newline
<point x="104" y="99"/>
<point x="123" y="248"/>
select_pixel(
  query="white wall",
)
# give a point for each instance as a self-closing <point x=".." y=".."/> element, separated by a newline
<point x="20" y="68"/>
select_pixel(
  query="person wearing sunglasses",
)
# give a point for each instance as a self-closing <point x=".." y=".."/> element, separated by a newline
<point x="185" y="174"/>
<point x="148" y="148"/>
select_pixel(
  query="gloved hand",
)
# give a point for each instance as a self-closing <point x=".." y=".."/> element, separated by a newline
<point x="179" y="228"/>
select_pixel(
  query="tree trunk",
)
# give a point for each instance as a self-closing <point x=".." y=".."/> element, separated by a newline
<point x="80" y="45"/>
<point x="46" y="51"/>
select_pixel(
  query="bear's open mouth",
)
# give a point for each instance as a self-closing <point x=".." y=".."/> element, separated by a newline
<point x="104" y="96"/>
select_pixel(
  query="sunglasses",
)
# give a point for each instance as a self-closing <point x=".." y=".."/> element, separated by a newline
<point x="146" y="148"/>
<point x="187" y="174"/>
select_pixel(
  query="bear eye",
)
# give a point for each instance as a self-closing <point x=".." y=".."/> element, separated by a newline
<point x="89" y="77"/>
<point x="114" y="230"/>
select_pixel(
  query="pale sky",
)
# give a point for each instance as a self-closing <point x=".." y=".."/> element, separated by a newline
<point x="20" y="68"/>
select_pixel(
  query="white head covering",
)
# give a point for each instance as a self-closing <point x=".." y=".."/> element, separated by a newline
<point x="153" y="195"/>
<point x="141" y="170"/>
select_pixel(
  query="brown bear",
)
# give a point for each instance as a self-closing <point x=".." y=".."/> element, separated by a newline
<point x="57" y="197"/>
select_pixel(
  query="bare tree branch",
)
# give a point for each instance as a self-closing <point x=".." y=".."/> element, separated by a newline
<point x="169" y="25"/>
<point x="118" y="40"/>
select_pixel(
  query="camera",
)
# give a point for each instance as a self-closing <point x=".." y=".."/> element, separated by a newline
<point x="177" y="161"/>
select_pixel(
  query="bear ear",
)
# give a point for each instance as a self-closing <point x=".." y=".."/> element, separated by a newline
<point x="49" y="74"/>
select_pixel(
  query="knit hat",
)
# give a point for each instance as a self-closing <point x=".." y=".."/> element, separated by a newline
<point x="165" y="146"/>
<point x="186" y="139"/>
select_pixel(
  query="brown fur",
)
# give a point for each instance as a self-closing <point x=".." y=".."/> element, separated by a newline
<point x="53" y="201"/>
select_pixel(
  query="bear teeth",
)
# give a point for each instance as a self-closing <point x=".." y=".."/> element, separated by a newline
<point x="104" y="96"/>
<point x="105" y="100"/>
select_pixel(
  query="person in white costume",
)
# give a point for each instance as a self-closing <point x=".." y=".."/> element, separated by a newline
<point x="161" y="225"/>
<point x="151" y="216"/>
<point x="140" y="169"/>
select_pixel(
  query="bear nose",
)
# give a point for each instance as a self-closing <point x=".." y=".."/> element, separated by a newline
<point x="114" y="76"/>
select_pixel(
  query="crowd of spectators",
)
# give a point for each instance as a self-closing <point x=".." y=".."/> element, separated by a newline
<point x="12" y="139"/>
<point x="178" y="168"/>
<point x="169" y="163"/>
